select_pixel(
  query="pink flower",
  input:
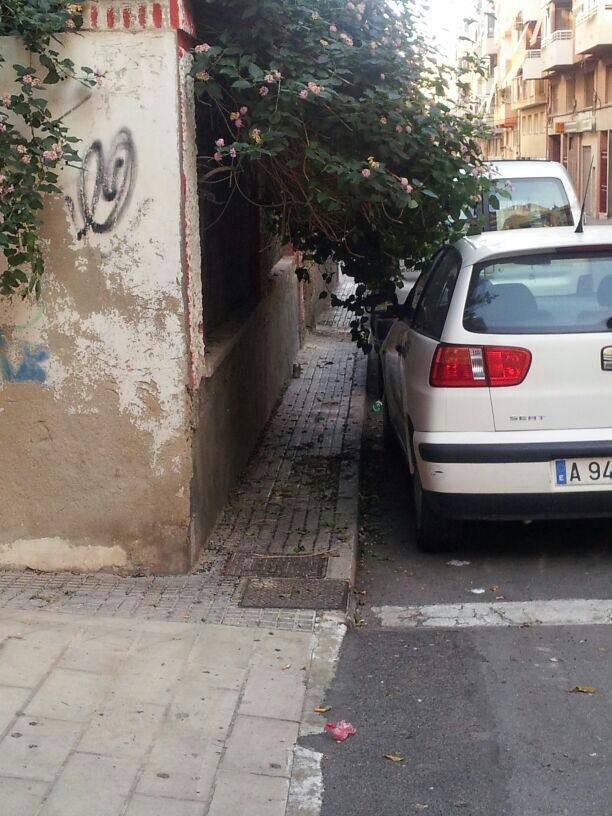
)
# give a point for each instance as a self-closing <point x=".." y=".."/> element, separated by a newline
<point x="49" y="155"/>
<point x="218" y="156"/>
<point x="366" y="173"/>
<point x="220" y="142"/>
<point x="2" y="127"/>
<point x="269" y="78"/>
<point x="10" y="188"/>
<point x="383" y="77"/>
<point x="304" y="93"/>
<point x="21" y="148"/>
<point x="6" y="100"/>
<point x="316" y="89"/>
<point x="263" y="91"/>
<point x="26" y="159"/>
<point x="333" y="28"/>
<point x="239" y="123"/>
<point x="406" y="185"/>
<point x="475" y="172"/>
<point x="244" y="110"/>
<point x="233" y="152"/>
<point x="199" y="49"/>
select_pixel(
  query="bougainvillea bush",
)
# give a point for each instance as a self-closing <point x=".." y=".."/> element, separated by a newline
<point x="34" y="144"/>
<point x="340" y="109"/>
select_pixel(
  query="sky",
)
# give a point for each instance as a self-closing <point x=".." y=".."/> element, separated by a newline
<point x="445" y="19"/>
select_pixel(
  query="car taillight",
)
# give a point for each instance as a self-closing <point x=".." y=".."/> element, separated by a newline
<point x="479" y="366"/>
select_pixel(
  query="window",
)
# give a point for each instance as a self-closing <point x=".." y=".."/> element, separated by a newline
<point x="534" y="202"/>
<point x="552" y="293"/>
<point x="490" y="26"/>
<point x="570" y="94"/>
<point x="589" y="89"/>
<point x="608" y="83"/>
<point x="432" y="308"/>
<point x="554" y="97"/>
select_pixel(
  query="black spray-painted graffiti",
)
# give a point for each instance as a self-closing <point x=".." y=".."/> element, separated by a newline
<point x="106" y="184"/>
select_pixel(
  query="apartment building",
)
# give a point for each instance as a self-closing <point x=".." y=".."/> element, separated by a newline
<point x="512" y="97"/>
<point x="550" y="67"/>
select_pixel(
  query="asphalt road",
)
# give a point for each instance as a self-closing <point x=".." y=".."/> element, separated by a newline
<point x="485" y="718"/>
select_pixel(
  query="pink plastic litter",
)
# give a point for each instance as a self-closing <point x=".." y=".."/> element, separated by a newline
<point x="340" y="731"/>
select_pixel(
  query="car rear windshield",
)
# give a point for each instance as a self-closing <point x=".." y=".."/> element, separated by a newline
<point x="533" y="202"/>
<point x="555" y="293"/>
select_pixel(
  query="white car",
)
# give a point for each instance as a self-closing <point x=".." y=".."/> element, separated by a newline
<point x="542" y="195"/>
<point x="498" y="380"/>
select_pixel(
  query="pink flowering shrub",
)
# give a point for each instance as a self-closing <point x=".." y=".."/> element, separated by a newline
<point x="33" y="143"/>
<point x="345" y="123"/>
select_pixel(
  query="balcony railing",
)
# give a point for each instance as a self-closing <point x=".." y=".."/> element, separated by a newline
<point x="557" y="36"/>
<point x="587" y="9"/>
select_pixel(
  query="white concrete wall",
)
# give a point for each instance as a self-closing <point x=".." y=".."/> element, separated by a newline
<point x="94" y="403"/>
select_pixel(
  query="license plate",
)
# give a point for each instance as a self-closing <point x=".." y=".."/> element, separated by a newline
<point x="582" y="472"/>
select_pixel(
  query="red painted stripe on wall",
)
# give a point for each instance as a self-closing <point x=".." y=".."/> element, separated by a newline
<point x="157" y="15"/>
<point x="174" y="13"/>
<point x="110" y="18"/>
<point x="142" y="15"/>
<point x="94" y="17"/>
<point x="127" y="18"/>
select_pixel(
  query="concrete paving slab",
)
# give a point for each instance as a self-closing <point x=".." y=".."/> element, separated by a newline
<point x="244" y="793"/>
<point x="260" y="746"/>
<point x="12" y="701"/>
<point x="21" y="797"/>
<point x="35" y="748"/>
<point x="151" y="806"/>
<point x="91" y="784"/>
<point x="69" y="695"/>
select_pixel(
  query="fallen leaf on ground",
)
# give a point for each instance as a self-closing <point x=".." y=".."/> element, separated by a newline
<point x="286" y="666"/>
<point x="322" y="709"/>
<point x="584" y="690"/>
<point x="500" y="597"/>
<point x="494" y="588"/>
<point x="554" y="659"/>
<point x="420" y="807"/>
<point x="456" y="563"/>
<point x="477" y="591"/>
<point x="394" y="757"/>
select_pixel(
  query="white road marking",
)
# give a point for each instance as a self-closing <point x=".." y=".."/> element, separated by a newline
<point x="507" y="613"/>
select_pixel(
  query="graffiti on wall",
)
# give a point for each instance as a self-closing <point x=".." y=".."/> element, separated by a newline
<point x="106" y="183"/>
<point x="26" y="366"/>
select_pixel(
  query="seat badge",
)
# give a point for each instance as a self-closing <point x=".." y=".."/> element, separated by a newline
<point x="606" y="358"/>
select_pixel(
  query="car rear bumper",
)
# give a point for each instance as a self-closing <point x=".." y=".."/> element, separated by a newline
<point x="511" y="476"/>
<point x="521" y="506"/>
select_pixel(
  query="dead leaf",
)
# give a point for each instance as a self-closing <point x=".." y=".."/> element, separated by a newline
<point x="584" y="690"/>
<point x="286" y="666"/>
<point x="322" y="709"/>
<point x="394" y="757"/>
<point x="554" y="659"/>
<point x="494" y="588"/>
<point x="500" y="597"/>
<point x="418" y="806"/>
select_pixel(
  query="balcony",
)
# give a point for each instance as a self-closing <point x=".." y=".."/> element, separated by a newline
<point x="593" y="26"/>
<point x="532" y="64"/>
<point x="505" y="115"/>
<point x="558" y="50"/>
<point x="528" y="94"/>
<point x="531" y="9"/>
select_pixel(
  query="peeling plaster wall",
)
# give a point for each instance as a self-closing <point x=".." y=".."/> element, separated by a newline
<point x="95" y="431"/>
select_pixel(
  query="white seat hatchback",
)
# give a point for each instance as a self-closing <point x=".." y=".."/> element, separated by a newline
<point x="498" y="380"/>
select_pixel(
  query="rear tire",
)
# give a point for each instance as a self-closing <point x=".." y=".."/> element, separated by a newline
<point x="434" y="533"/>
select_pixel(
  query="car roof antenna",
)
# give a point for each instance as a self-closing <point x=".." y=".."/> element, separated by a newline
<point x="580" y="227"/>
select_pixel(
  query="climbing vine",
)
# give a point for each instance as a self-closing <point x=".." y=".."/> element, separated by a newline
<point x="34" y="143"/>
<point x="344" y="113"/>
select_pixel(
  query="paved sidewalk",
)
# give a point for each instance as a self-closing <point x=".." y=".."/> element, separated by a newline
<point x="104" y="717"/>
<point x="293" y="514"/>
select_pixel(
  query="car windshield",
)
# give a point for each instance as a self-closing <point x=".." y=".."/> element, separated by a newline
<point x="554" y="293"/>
<point x="533" y="202"/>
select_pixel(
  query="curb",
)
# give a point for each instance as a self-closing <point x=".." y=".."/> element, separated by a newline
<point x="344" y="566"/>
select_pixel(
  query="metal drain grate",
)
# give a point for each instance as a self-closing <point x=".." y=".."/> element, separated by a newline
<point x="295" y="593"/>
<point x="240" y="565"/>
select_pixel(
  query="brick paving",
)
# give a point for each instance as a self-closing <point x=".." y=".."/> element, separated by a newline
<point x="287" y="504"/>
